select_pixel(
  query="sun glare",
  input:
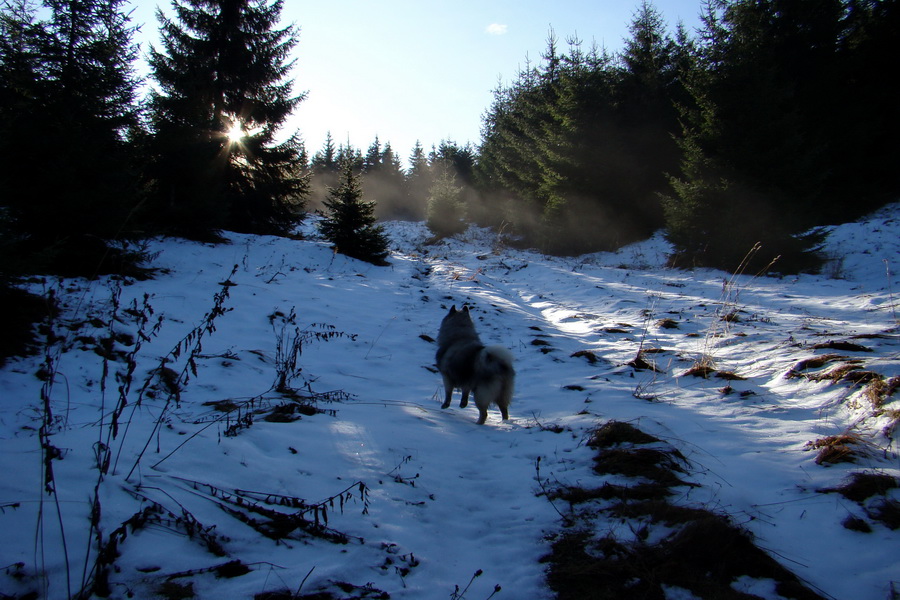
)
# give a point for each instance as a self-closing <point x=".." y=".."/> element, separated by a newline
<point x="236" y="133"/>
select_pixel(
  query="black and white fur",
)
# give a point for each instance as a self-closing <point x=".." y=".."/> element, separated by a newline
<point x="467" y="364"/>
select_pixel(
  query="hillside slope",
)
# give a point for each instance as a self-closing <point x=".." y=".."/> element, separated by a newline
<point x="351" y="482"/>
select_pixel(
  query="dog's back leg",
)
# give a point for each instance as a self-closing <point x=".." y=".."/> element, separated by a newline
<point x="485" y="394"/>
<point x="448" y="391"/>
<point x="465" y="398"/>
<point x="505" y="397"/>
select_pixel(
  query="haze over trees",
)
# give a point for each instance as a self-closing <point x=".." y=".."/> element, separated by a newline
<point x="771" y="119"/>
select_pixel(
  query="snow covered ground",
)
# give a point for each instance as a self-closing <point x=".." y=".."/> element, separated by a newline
<point x="217" y="488"/>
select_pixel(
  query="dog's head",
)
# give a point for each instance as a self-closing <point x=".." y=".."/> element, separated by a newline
<point x="458" y="316"/>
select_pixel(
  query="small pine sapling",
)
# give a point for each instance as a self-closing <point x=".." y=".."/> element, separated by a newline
<point x="350" y="222"/>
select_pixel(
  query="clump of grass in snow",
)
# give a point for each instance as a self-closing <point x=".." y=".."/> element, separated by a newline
<point x="613" y="433"/>
<point x="704" y="552"/>
<point x="727" y="313"/>
<point x="833" y="449"/>
<point x="814" y="362"/>
<point x="878" y="391"/>
<point x="861" y="487"/>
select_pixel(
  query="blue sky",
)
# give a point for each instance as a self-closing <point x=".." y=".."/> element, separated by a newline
<point x="408" y="70"/>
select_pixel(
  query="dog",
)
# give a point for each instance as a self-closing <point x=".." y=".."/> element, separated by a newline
<point x="467" y="364"/>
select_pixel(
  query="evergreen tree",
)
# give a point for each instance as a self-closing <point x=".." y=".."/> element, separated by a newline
<point x="67" y="107"/>
<point x="648" y="88"/>
<point x="418" y="181"/>
<point x="350" y="221"/>
<point x="223" y="93"/>
<point x="445" y="206"/>
<point x="864" y="153"/>
<point x="755" y="162"/>
<point x="325" y="167"/>
<point x="459" y="159"/>
<point x="348" y="154"/>
<point x="325" y="160"/>
<point x="386" y="182"/>
<point x="581" y="141"/>
<point x="372" y="160"/>
<point x="390" y="160"/>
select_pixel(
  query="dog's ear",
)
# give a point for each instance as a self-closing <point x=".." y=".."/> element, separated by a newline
<point x="453" y="309"/>
<point x="466" y="309"/>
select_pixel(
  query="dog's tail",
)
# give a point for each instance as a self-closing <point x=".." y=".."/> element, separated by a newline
<point x="496" y="378"/>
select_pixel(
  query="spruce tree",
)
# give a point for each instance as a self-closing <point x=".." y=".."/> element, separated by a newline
<point x="350" y="221"/>
<point x="372" y="160"/>
<point x="347" y="153"/>
<point x="386" y="181"/>
<point x="755" y="165"/>
<point x="325" y="160"/>
<point x="445" y="206"/>
<point x="418" y="180"/>
<point x="223" y="93"/>
<point x="325" y="171"/>
<point x="67" y="109"/>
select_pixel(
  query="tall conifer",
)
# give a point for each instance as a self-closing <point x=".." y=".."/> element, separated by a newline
<point x="223" y="93"/>
<point x="67" y="106"/>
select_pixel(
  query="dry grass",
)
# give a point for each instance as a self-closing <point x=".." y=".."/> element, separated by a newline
<point x="854" y="523"/>
<point x="893" y="424"/>
<point x="703" y="552"/>
<point x="878" y="391"/>
<point x="732" y="317"/>
<point x="700" y="370"/>
<point x="862" y="485"/>
<point x="843" y="346"/>
<point x="587" y="354"/>
<point x="814" y="362"/>
<point x="639" y="363"/>
<point x="667" y="323"/>
<point x="861" y="376"/>
<point x="887" y="512"/>
<point x="837" y="373"/>
<point x="614" y="433"/>
<point x="841" y="448"/>
<point x="609" y="491"/>
<point x="658" y="466"/>
<point x="171" y="590"/>
<point x="730" y="376"/>
<point x="705" y="555"/>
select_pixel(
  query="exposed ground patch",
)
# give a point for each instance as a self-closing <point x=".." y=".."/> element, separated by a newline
<point x="667" y="545"/>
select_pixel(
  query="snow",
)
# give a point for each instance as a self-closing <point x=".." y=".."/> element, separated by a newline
<point x="443" y="497"/>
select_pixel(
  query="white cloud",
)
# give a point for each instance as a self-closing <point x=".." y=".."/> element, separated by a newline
<point x="496" y="29"/>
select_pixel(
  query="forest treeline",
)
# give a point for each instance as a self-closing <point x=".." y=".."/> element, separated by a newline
<point x="773" y="117"/>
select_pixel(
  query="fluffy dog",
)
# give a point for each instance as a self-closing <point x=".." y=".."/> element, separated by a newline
<point x="465" y="363"/>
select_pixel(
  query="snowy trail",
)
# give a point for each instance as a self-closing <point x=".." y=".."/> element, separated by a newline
<point x="769" y="426"/>
<point x="425" y="497"/>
